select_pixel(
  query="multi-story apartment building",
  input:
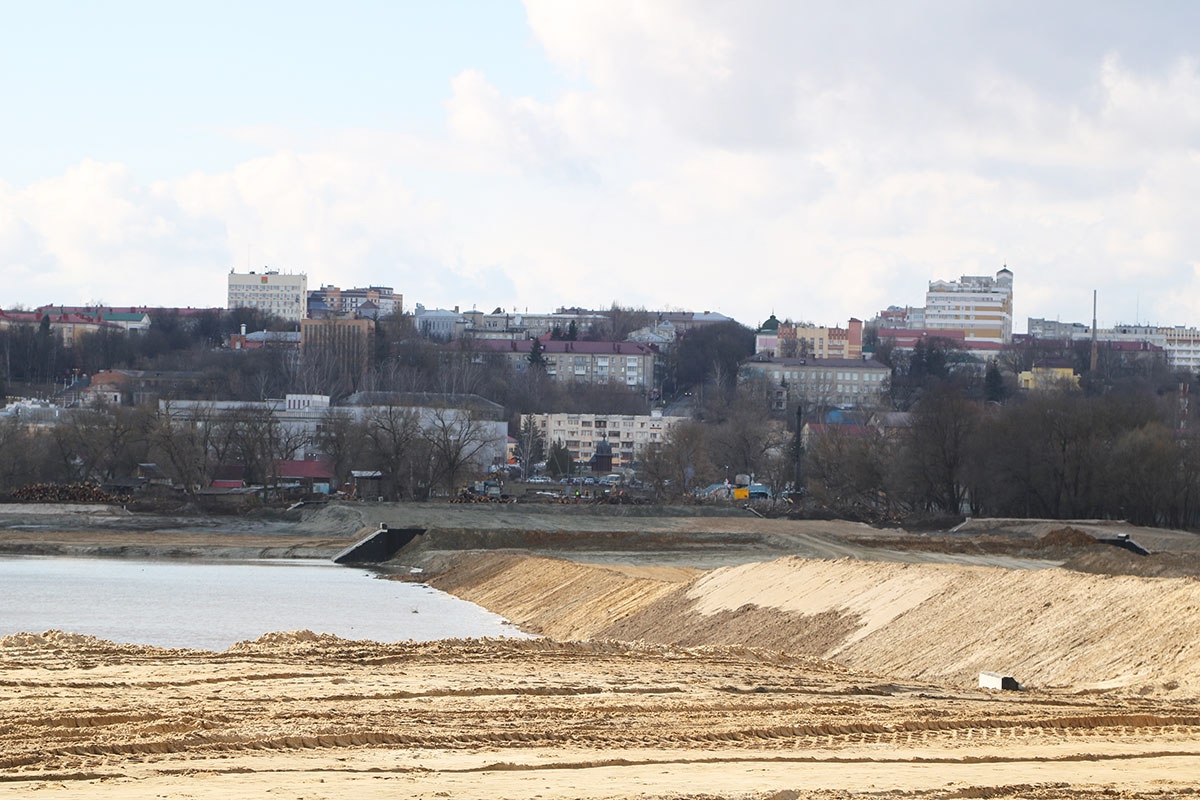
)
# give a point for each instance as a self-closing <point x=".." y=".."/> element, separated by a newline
<point x="803" y="339"/>
<point x="628" y="435"/>
<point x="1180" y="344"/>
<point x="1053" y="329"/>
<point x="979" y="305"/>
<point x="900" y="318"/>
<point x="509" y="325"/>
<point x="1183" y="347"/>
<point x="501" y="324"/>
<point x="820" y="382"/>
<point x="284" y="295"/>
<point x="366" y="301"/>
<point x="630" y="364"/>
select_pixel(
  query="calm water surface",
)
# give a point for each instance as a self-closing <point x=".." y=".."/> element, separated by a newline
<point x="213" y="605"/>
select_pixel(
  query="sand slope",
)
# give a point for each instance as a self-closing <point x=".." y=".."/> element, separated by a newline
<point x="946" y="623"/>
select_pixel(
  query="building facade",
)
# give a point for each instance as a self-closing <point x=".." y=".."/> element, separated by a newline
<point x="439" y="323"/>
<point x="365" y="301"/>
<point x="1049" y="373"/>
<point x="271" y="292"/>
<point x="501" y="324"/>
<point x="820" y="382"/>
<point x="628" y="435"/>
<point x="343" y="341"/>
<point x="1179" y="343"/>
<point x="789" y="339"/>
<point x="978" y="305"/>
<point x="633" y="365"/>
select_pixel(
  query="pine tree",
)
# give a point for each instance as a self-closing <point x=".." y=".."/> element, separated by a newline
<point x="536" y="359"/>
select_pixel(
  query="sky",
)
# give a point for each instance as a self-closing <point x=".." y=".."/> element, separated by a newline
<point x="818" y="161"/>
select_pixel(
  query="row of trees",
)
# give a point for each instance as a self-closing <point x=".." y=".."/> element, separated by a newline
<point x="1053" y="455"/>
<point x="416" y="453"/>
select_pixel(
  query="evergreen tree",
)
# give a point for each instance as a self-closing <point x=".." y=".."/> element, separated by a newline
<point x="993" y="384"/>
<point x="531" y="445"/>
<point x="535" y="357"/>
<point x="558" y="463"/>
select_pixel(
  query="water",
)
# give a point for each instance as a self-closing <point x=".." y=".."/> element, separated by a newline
<point x="213" y="605"/>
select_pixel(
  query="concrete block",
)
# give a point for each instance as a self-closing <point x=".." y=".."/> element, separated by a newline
<point x="994" y="680"/>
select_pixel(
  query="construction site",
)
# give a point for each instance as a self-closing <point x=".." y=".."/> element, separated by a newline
<point x="680" y="653"/>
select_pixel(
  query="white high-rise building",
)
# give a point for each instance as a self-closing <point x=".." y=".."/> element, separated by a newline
<point x="978" y="305"/>
<point x="284" y="295"/>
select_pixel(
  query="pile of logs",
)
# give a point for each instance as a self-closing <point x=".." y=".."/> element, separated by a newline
<point x="65" y="493"/>
<point x="471" y="497"/>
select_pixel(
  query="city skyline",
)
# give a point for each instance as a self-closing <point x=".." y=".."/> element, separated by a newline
<point x="813" y="162"/>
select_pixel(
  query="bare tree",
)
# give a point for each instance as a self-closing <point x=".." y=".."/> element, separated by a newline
<point x="847" y="471"/>
<point x="183" y="444"/>
<point x="459" y="443"/>
<point x="103" y="443"/>
<point x="937" y="448"/>
<point x="248" y="436"/>
<point x="393" y="435"/>
<point x="680" y="462"/>
<point x="342" y="439"/>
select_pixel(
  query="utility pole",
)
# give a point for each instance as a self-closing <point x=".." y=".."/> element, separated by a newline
<point x="798" y="481"/>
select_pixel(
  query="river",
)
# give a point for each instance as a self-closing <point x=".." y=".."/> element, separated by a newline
<point x="212" y="605"/>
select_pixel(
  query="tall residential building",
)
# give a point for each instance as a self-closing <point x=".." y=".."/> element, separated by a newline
<point x="284" y="295"/>
<point x="979" y="306"/>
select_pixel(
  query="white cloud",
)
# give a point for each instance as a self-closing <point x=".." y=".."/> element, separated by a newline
<point x="818" y="162"/>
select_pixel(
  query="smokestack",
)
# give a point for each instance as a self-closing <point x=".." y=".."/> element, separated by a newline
<point x="1094" y="353"/>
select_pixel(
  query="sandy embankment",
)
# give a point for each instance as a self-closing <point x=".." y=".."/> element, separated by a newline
<point x="945" y="623"/>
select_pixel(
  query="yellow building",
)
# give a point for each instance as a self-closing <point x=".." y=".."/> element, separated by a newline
<point x="1055" y="373"/>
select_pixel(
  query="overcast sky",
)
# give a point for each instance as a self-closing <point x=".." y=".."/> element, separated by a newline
<point x="815" y="160"/>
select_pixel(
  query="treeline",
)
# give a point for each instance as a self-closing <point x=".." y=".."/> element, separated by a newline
<point x="415" y="455"/>
<point x="38" y="363"/>
<point x="1052" y="454"/>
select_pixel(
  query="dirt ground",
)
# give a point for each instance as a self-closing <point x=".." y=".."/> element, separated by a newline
<point x="312" y="717"/>
<point x="684" y="656"/>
